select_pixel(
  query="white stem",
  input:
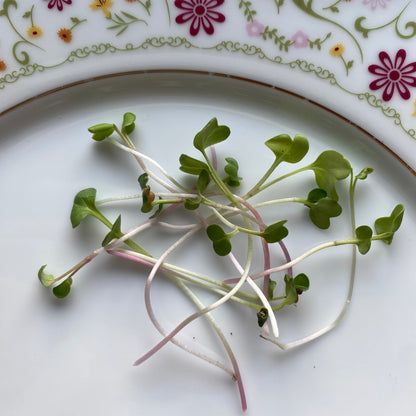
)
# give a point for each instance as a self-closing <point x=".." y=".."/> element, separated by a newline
<point x="152" y="315"/>
<point x="117" y="199"/>
<point x="276" y="201"/>
<point x="203" y="311"/>
<point x="260" y="294"/>
<point x="149" y="172"/>
<point x="222" y="218"/>
<point x="172" y="195"/>
<point x="178" y="227"/>
<point x="295" y="261"/>
<point x="175" y="269"/>
<point x="114" y="243"/>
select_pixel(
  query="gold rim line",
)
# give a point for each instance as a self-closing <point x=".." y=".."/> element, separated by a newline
<point x="215" y="74"/>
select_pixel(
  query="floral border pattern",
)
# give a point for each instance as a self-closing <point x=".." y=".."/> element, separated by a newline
<point x="328" y="41"/>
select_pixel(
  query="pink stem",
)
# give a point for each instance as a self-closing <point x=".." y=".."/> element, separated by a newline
<point x="237" y="374"/>
<point x="213" y="157"/>
<point x="287" y="257"/>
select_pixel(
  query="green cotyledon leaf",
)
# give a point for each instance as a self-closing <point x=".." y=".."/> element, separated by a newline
<point x="275" y="232"/>
<point x="191" y="165"/>
<point x="211" y="134"/>
<point x="389" y="225"/>
<point x="329" y="168"/>
<point x="101" y="131"/>
<point x="287" y="150"/>
<point x="62" y="290"/>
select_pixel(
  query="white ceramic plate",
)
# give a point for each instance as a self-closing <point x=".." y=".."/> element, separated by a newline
<point x="74" y="356"/>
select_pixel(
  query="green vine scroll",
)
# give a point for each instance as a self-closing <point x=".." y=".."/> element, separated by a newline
<point x="34" y="31"/>
<point x="409" y="25"/>
<point x="306" y="6"/>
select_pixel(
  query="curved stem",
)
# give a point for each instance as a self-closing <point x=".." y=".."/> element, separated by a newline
<point x="203" y="311"/>
<point x="183" y="274"/>
<point x="139" y="157"/>
<point x="260" y="294"/>
<point x="217" y="329"/>
<point x="347" y="302"/>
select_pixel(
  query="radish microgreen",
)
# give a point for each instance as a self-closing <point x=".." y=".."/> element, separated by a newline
<point x="211" y="207"/>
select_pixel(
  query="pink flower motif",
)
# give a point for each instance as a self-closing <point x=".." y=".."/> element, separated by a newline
<point x="254" y="28"/>
<point x="200" y="12"/>
<point x="300" y="39"/>
<point x="375" y="3"/>
<point x="393" y="75"/>
<point x="58" y="4"/>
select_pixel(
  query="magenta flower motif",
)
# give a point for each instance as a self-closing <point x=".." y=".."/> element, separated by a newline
<point x="300" y="39"/>
<point x="58" y="4"/>
<point x="375" y="3"/>
<point x="393" y="75"/>
<point x="254" y="28"/>
<point x="200" y="13"/>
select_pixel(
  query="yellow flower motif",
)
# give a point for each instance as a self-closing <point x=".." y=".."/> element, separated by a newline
<point x="3" y="66"/>
<point x="34" y="32"/>
<point x="414" y="114"/>
<point x="337" y="50"/>
<point x="65" y="35"/>
<point x="103" y="5"/>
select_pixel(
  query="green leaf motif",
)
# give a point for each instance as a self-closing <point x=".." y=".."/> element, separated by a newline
<point x="191" y="165"/>
<point x="287" y="150"/>
<point x="330" y="167"/>
<point x="129" y="16"/>
<point x="275" y="232"/>
<point x="364" y="234"/>
<point x="210" y="135"/>
<point x="7" y="4"/>
<point x="62" y="290"/>
<point x="45" y="279"/>
<point x="360" y="28"/>
<point x="389" y="225"/>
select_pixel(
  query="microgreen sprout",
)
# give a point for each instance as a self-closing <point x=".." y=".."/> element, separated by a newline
<point x="216" y="212"/>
